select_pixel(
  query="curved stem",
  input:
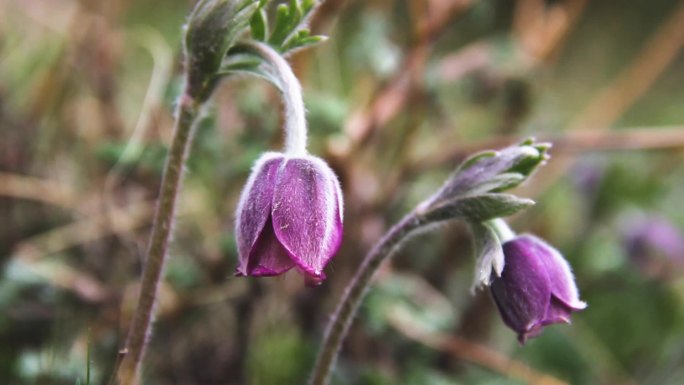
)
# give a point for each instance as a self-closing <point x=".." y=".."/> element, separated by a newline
<point x="278" y="71"/>
<point x="354" y="294"/>
<point x="141" y="325"/>
<point x="501" y="229"/>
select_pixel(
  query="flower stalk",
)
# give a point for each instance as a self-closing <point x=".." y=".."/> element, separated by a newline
<point x="278" y="71"/>
<point x="474" y="193"/>
<point x="354" y="294"/>
<point x="140" y="329"/>
<point x="501" y="229"/>
<point x="290" y="211"/>
<point x="212" y="28"/>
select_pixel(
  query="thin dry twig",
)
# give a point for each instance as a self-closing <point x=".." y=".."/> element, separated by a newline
<point x="551" y="32"/>
<point x="567" y="143"/>
<point x="613" y="100"/>
<point x="391" y="98"/>
<point x="84" y="231"/>
<point x="31" y="188"/>
<point x="541" y="29"/>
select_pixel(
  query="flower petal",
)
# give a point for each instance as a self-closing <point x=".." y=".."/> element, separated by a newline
<point x="254" y="208"/>
<point x="268" y="257"/>
<point x="522" y="293"/>
<point x="562" y="281"/>
<point x="531" y="331"/>
<point x="307" y="213"/>
<point x="558" y="312"/>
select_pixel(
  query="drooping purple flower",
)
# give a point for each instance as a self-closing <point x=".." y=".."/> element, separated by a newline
<point x="536" y="287"/>
<point x="289" y="215"/>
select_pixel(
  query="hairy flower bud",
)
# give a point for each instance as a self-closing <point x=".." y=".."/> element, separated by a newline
<point x="494" y="171"/>
<point x="289" y="215"/>
<point x="536" y="287"/>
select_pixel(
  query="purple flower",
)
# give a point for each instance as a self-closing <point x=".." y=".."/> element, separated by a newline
<point x="289" y="215"/>
<point x="536" y="287"/>
<point x="654" y="244"/>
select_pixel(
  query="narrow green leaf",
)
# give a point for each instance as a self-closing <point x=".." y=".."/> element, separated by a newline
<point x="296" y="13"/>
<point x="303" y="33"/>
<point x="239" y="62"/>
<point x="308" y="41"/>
<point x="527" y="165"/>
<point x="476" y="158"/>
<point x="259" y="25"/>
<point x="307" y="5"/>
<point x="498" y="183"/>
<point x="476" y="208"/>
<point x="281" y="27"/>
<point x="476" y="173"/>
<point x="212" y="29"/>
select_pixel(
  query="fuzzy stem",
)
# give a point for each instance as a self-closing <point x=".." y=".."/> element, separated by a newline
<point x="141" y="326"/>
<point x="501" y="229"/>
<point x="280" y="74"/>
<point x="354" y="294"/>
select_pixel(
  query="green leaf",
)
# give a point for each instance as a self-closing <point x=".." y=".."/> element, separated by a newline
<point x="212" y="29"/>
<point x="526" y="166"/>
<point x="296" y="13"/>
<point x="246" y="62"/>
<point x="309" y="41"/>
<point x="307" y="6"/>
<point x="288" y="32"/>
<point x="302" y="39"/>
<point x="476" y="158"/>
<point x="282" y="26"/>
<point x="498" y="183"/>
<point x="494" y="171"/>
<point x="477" y="208"/>
<point x="259" y="25"/>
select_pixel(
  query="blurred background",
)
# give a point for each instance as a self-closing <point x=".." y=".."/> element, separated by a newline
<point x="399" y="94"/>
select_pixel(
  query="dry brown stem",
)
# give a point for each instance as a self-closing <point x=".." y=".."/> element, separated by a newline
<point x="567" y="143"/>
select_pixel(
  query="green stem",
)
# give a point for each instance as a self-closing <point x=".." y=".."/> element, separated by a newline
<point x="501" y="229"/>
<point x="141" y="326"/>
<point x="354" y="294"/>
<point x="279" y="73"/>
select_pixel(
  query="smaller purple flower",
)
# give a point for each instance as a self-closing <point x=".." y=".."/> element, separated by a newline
<point x="289" y="215"/>
<point x="654" y="245"/>
<point x="536" y="287"/>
